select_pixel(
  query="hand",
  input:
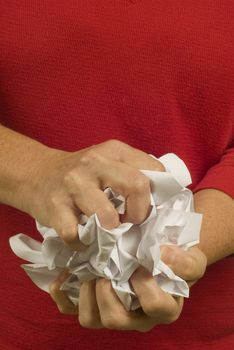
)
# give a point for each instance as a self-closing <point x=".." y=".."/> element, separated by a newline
<point x="100" y="307"/>
<point x="66" y="184"/>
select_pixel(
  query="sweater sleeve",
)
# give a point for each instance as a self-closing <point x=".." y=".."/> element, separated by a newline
<point x="221" y="175"/>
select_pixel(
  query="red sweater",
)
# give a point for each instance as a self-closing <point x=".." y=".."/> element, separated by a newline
<point x="158" y="75"/>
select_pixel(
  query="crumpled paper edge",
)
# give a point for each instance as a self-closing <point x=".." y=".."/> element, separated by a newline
<point x="107" y="256"/>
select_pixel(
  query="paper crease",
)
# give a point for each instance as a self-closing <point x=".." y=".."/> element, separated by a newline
<point x="115" y="254"/>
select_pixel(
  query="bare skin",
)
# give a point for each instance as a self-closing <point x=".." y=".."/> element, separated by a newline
<point x="64" y="184"/>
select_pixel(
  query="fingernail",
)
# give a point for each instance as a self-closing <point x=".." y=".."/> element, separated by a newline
<point x="168" y="256"/>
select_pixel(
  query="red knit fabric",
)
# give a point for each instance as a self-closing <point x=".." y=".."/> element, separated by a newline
<point x="158" y="75"/>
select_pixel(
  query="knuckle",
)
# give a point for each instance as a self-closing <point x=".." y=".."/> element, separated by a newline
<point x="139" y="183"/>
<point x="115" y="144"/>
<point x="157" y="307"/>
<point x="160" y="167"/>
<point x="54" y="201"/>
<point x="189" y="263"/>
<point x="118" y="147"/>
<point x="150" y="307"/>
<point x="171" y="318"/>
<point x="68" y="234"/>
<point x="90" y="157"/>
<point x="108" y="211"/>
<point x="70" y="177"/>
<point x="112" y="321"/>
<point x="88" y="321"/>
<point x="74" y="181"/>
<point x="162" y="311"/>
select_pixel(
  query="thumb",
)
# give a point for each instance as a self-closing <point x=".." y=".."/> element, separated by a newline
<point x="65" y="222"/>
<point x="189" y="265"/>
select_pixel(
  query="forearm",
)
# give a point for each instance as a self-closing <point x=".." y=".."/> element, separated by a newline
<point x="217" y="232"/>
<point x="19" y="156"/>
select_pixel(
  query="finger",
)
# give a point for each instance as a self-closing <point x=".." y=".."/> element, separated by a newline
<point x="154" y="301"/>
<point x="87" y="193"/>
<point x="121" y="152"/>
<point x="93" y="200"/>
<point x="123" y="179"/>
<point x="189" y="265"/>
<point x="132" y="185"/>
<point x="102" y="173"/>
<point x="64" y="304"/>
<point x="65" y="221"/>
<point x="89" y="316"/>
<point x="113" y="314"/>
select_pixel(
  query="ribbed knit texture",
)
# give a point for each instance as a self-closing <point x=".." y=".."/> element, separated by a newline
<point x="158" y="75"/>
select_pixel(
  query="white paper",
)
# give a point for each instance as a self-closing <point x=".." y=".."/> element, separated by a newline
<point x="115" y="254"/>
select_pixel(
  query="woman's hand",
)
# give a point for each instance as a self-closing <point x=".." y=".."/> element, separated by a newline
<point x="65" y="184"/>
<point x="100" y="307"/>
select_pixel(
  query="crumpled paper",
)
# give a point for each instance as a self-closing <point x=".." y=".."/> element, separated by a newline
<point x="115" y="254"/>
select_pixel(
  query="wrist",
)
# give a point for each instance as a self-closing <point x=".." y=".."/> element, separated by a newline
<point x="40" y="161"/>
<point x="216" y="238"/>
<point x="20" y="162"/>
